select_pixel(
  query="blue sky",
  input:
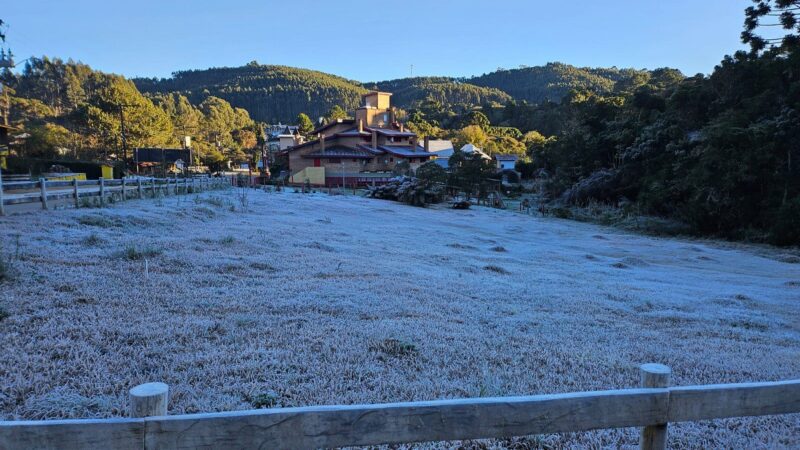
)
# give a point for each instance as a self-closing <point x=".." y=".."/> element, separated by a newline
<point x="376" y="40"/>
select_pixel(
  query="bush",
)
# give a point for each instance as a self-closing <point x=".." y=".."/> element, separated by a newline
<point x="131" y="253"/>
<point x="432" y="172"/>
<point x="5" y="270"/>
<point x="786" y="228"/>
<point x="395" y="347"/>
<point x="409" y="190"/>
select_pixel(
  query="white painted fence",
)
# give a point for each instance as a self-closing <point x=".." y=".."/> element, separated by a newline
<point x="652" y="407"/>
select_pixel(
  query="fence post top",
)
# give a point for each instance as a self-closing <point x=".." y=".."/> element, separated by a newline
<point x="149" y="389"/>
<point x="655" y="368"/>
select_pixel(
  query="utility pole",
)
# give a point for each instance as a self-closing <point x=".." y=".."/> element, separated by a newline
<point x="122" y="133"/>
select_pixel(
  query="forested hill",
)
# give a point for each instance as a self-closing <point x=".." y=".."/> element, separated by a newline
<point x="273" y="93"/>
<point x="269" y="93"/>
<point x="408" y="92"/>
<point x="553" y="81"/>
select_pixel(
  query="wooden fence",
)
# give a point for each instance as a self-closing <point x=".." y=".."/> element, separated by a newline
<point x="44" y="191"/>
<point x="652" y="407"/>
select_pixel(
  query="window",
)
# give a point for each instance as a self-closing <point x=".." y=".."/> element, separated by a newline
<point x="391" y="159"/>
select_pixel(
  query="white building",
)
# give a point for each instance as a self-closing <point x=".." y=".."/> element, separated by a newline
<point x="506" y="162"/>
<point x="470" y="149"/>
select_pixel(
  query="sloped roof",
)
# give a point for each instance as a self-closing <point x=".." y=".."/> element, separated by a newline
<point x="438" y="145"/>
<point x="352" y="132"/>
<point x="469" y="148"/>
<point x="506" y="157"/>
<point x="390" y="132"/>
<point x="408" y="152"/>
<point x="332" y="123"/>
<point x="340" y="151"/>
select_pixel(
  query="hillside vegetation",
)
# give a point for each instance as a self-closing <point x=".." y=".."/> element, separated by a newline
<point x="552" y="81"/>
<point x="410" y="92"/>
<point x="269" y="93"/>
<point x="273" y="93"/>
<point x="71" y="111"/>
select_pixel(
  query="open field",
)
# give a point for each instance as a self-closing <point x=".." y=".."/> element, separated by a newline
<point x="303" y="300"/>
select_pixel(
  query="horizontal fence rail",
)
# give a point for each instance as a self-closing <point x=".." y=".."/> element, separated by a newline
<point x="356" y="425"/>
<point x="44" y="191"/>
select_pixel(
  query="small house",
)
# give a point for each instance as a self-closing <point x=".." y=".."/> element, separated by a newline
<point x="506" y="162"/>
<point x="160" y="161"/>
<point x="472" y="149"/>
<point x="441" y="149"/>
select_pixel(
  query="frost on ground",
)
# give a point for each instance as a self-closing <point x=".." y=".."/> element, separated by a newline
<point x="316" y="299"/>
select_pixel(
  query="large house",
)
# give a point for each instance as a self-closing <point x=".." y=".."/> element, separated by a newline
<point x="361" y="151"/>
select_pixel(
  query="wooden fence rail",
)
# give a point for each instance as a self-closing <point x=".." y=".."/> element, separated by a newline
<point x="354" y="425"/>
<point x="43" y="191"/>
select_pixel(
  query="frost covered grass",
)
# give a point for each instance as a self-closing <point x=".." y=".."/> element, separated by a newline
<point x="312" y="299"/>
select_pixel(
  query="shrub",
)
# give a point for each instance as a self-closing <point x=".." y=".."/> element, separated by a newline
<point x="5" y="270"/>
<point x="409" y="190"/>
<point x="96" y="221"/>
<point x="268" y="399"/>
<point x="432" y="172"/>
<point x="786" y="226"/>
<point x="395" y="347"/>
<point x="213" y="200"/>
<point x="92" y="240"/>
<point x="131" y="253"/>
<point x="496" y="269"/>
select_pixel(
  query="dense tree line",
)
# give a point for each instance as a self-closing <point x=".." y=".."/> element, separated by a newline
<point x="552" y="81"/>
<point x="451" y="93"/>
<point x="70" y="110"/>
<point x="274" y="94"/>
<point x="269" y="93"/>
<point x="718" y="152"/>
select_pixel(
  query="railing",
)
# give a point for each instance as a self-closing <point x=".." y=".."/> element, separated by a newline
<point x="44" y="191"/>
<point x="652" y="406"/>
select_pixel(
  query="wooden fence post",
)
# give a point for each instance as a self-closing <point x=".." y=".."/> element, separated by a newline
<point x="102" y="182"/>
<point x="123" y="189"/>
<point x="154" y="186"/>
<point x="2" y="206"/>
<point x="75" y="192"/>
<point x="139" y="187"/>
<point x="654" y="437"/>
<point x="43" y="187"/>
<point x="149" y="399"/>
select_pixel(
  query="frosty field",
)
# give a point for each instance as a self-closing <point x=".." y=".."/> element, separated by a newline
<point x="317" y="299"/>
